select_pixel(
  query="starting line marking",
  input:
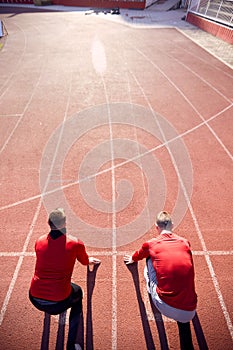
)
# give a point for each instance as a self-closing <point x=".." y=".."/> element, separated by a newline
<point x="120" y="253"/>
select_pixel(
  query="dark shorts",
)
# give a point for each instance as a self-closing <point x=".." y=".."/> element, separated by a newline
<point x="57" y="307"/>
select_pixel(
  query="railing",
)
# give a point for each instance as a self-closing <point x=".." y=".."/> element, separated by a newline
<point x="220" y="11"/>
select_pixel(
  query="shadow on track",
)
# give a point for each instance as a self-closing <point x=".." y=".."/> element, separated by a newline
<point x="91" y="276"/>
<point x="133" y="268"/>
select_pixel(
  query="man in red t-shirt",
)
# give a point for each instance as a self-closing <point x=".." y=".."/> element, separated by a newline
<point x="51" y="289"/>
<point x="170" y="275"/>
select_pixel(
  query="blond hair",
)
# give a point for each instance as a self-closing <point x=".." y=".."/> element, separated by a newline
<point x="163" y="220"/>
<point x="57" y="218"/>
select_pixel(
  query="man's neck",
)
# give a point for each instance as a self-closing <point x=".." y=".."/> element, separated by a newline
<point x="165" y="232"/>
<point x="55" y="233"/>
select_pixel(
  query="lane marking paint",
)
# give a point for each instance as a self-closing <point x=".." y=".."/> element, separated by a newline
<point x="188" y="101"/>
<point x="100" y="64"/>
<point x="73" y="183"/>
<point x="120" y="253"/>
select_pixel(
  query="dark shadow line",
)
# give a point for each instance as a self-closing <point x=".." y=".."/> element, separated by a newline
<point x="133" y="268"/>
<point x="61" y="331"/>
<point x="80" y="332"/>
<point x="160" y="325"/>
<point x="159" y="322"/>
<point x="199" y="333"/>
<point x="91" y="276"/>
<point x="46" y="332"/>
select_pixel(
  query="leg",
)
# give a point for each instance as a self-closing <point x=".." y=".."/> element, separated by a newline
<point x="75" y="315"/>
<point x="185" y="336"/>
<point x="152" y="279"/>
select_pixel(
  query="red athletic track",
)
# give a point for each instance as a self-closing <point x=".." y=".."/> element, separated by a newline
<point x="46" y="74"/>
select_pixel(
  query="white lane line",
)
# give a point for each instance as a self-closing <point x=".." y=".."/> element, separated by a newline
<point x="12" y="254"/>
<point x="202" y="79"/>
<point x="21" y="115"/>
<point x="188" y="101"/>
<point x="100" y="65"/>
<point x="219" y="114"/>
<point x="36" y="215"/>
<point x="11" y="134"/>
<point x="194" y="218"/>
<point x="121" y="253"/>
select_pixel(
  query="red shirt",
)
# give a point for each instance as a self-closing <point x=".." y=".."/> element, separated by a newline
<point x="55" y="259"/>
<point x="172" y="260"/>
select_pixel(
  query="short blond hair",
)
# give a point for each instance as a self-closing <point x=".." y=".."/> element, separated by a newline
<point x="163" y="220"/>
<point x="57" y="218"/>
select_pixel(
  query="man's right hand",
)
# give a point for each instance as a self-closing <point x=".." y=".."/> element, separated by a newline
<point x="94" y="261"/>
<point x="128" y="259"/>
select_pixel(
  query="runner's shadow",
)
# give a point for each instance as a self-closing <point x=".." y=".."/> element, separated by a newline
<point x="80" y="332"/>
<point x="160" y="325"/>
<point x="91" y="276"/>
<point x="133" y="268"/>
<point x="199" y="333"/>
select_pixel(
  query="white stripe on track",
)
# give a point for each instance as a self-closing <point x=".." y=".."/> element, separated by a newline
<point x="121" y="253"/>
<point x="114" y="251"/>
<point x="188" y="101"/>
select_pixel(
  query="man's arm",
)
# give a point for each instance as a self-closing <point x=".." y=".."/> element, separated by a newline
<point x="83" y="257"/>
<point x="140" y="254"/>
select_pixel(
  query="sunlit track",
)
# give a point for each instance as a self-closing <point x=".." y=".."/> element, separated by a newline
<point x="179" y="62"/>
<point x="6" y="85"/>
<point x="120" y="164"/>
<point x="9" y="82"/>
<point x="188" y="101"/>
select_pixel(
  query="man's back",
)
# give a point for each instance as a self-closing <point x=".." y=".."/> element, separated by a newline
<point x="55" y="259"/>
<point x="172" y="259"/>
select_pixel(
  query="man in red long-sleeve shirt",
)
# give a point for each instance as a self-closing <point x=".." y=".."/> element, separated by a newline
<point x="170" y="275"/>
<point x="51" y="289"/>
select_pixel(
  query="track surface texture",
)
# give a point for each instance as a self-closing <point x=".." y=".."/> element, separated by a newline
<point x="113" y="122"/>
